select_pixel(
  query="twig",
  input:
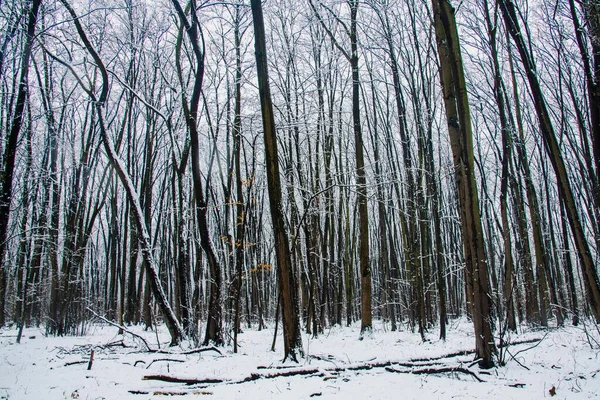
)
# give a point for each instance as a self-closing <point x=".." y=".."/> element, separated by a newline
<point x="476" y="361"/>
<point x="441" y="370"/>
<point x="531" y="347"/>
<point x="74" y="363"/>
<point x="188" y="352"/>
<point x="201" y="350"/>
<point x="515" y="359"/>
<point x="163" y="359"/>
<point x="525" y="341"/>
<point x="123" y="328"/>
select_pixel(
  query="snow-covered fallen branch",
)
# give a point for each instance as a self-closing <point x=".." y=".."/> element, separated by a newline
<point x="436" y="370"/>
<point x="407" y="367"/>
<point x="174" y="379"/>
<point x="124" y="329"/>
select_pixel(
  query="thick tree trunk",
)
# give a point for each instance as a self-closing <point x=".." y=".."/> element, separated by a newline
<point x="507" y="132"/>
<point x="361" y="182"/>
<point x="287" y="279"/>
<point x="461" y="141"/>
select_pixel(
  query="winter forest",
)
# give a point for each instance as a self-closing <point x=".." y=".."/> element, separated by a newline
<point x="208" y="170"/>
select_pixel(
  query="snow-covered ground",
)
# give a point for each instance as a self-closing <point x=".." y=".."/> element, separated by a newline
<point x="566" y="363"/>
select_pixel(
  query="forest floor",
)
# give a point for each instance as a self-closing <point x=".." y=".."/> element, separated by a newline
<point x="558" y="363"/>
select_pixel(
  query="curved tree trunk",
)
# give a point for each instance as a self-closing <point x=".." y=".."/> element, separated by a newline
<point x="214" y="329"/>
<point x="150" y="262"/>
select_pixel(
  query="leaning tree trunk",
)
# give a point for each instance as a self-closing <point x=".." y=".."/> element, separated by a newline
<point x="133" y="197"/>
<point x="461" y="141"/>
<point x="588" y="268"/>
<point x="591" y="67"/>
<point x="287" y="280"/>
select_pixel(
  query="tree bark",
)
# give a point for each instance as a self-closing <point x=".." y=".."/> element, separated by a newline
<point x="461" y="140"/>
<point x="286" y="277"/>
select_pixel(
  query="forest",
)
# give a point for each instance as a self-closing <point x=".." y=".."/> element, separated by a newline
<point x="221" y="166"/>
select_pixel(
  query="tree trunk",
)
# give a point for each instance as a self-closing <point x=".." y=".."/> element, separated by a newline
<point x="461" y="140"/>
<point x="285" y="270"/>
<point x="214" y="324"/>
<point x="588" y="269"/>
<point x="133" y="197"/>
<point x="10" y="151"/>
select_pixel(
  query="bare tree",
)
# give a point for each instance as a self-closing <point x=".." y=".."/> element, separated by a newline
<point x="590" y="276"/>
<point x="361" y="182"/>
<point x="461" y="140"/>
<point x="286" y="277"/>
<point x="133" y="197"/>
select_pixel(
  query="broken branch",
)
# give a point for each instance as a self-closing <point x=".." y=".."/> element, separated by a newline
<point x="441" y="370"/>
<point x="121" y="327"/>
<point x="174" y="379"/>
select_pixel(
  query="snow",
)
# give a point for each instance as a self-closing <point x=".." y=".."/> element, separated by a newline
<point x="38" y="368"/>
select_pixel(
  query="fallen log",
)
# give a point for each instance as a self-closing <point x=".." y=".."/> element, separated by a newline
<point x="408" y="368"/>
<point x="170" y="393"/>
<point x="174" y="379"/>
<point x="449" y="355"/>
<point x="281" y="374"/>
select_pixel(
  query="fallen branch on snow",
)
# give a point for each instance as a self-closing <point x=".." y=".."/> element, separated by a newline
<point x="431" y="371"/>
<point x="414" y="368"/>
<point x="174" y="379"/>
<point x="121" y="327"/>
<point x="281" y="374"/>
<point x="192" y="351"/>
<point x="188" y="352"/>
<point x="524" y="341"/>
<point x="170" y="393"/>
<point x="75" y="363"/>
<point x="163" y="359"/>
